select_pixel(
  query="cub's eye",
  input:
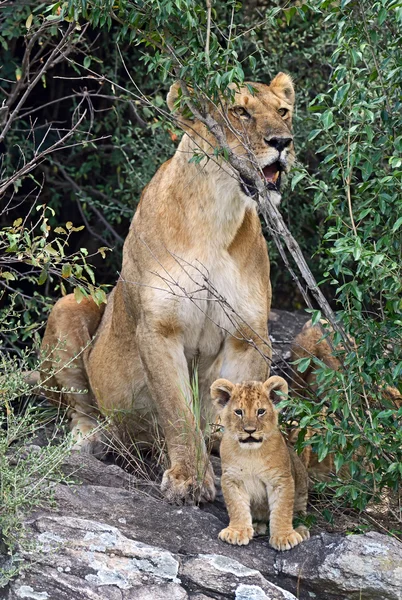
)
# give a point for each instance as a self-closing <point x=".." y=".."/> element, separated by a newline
<point x="238" y="412"/>
<point x="283" y="111"/>
<point x="261" y="411"/>
<point x="240" y="112"/>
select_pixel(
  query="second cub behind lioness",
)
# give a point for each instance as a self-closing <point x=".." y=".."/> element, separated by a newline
<point x="261" y="477"/>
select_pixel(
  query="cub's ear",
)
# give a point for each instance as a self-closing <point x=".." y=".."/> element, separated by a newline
<point x="276" y="384"/>
<point x="282" y="86"/>
<point x="221" y="391"/>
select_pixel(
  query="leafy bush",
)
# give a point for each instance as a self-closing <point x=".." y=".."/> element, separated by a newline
<point x="358" y="122"/>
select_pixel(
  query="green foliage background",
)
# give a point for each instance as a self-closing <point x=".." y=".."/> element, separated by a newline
<point x="343" y="205"/>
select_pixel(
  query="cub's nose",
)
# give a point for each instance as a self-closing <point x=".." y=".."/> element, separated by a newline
<point x="279" y="143"/>
<point x="250" y="430"/>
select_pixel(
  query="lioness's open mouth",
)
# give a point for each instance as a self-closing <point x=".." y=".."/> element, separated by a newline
<point x="272" y="174"/>
<point x="250" y="440"/>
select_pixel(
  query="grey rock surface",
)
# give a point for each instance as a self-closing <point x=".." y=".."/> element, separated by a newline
<point x="114" y="543"/>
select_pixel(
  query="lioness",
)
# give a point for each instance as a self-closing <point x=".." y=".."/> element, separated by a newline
<point x="261" y="477"/>
<point x="196" y="228"/>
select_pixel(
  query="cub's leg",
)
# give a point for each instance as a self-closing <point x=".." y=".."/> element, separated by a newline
<point x="66" y="343"/>
<point x="190" y="476"/>
<point x="281" y="498"/>
<point x="240" y="530"/>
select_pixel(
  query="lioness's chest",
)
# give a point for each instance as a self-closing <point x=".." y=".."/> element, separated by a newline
<point x="216" y="300"/>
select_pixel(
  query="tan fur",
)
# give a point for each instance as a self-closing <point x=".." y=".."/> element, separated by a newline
<point x="263" y="478"/>
<point x="193" y="221"/>
<point x="65" y="349"/>
<point x="310" y="343"/>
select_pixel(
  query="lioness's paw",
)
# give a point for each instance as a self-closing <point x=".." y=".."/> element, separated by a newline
<point x="285" y="542"/>
<point x="179" y="486"/>
<point x="241" y="537"/>
<point x="303" y="531"/>
<point x="89" y="441"/>
<point x="260" y="528"/>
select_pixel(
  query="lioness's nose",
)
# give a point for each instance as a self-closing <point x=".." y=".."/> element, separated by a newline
<point x="279" y="143"/>
<point x="250" y="429"/>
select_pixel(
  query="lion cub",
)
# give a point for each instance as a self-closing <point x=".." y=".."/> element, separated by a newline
<point x="261" y="477"/>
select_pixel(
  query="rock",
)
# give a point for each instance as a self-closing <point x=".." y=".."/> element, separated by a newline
<point x="111" y="543"/>
<point x="283" y="326"/>
<point x="361" y="567"/>
<point x="87" y="559"/>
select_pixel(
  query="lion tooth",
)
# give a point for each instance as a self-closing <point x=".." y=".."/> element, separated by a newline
<point x="275" y="177"/>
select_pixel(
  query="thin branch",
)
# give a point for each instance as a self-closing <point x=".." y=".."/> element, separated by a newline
<point x="29" y="166"/>
<point x="76" y="187"/>
<point x="208" y="36"/>
<point x="49" y="63"/>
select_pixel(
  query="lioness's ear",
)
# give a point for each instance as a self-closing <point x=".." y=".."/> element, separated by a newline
<point x="173" y="96"/>
<point x="282" y="86"/>
<point x="221" y="391"/>
<point x="276" y="384"/>
<point x="172" y="100"/>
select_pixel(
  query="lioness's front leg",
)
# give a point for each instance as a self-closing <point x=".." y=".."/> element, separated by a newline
<point x="190" y="476"/>
<point x="240" y="529"/>
<point x="242" y="360"/>
<point x="281" y="498"/>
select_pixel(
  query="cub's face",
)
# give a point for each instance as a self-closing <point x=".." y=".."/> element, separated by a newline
<point x="248" y="413"/>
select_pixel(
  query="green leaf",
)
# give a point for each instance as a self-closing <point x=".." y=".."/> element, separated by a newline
<point x="303" y="364"/>
<point x="397" y="224"/>
<point x="313" y="134"/>
<point x="66" y="271"/>
<point x="28" y="22"/>
<point x="298" y="177"/>
<point x="8" y="276"/>
<point x="42" y="277"/>
<point x="78" y="294"/>
<point x="327" y="119"/>
<point x="100" y="297"/>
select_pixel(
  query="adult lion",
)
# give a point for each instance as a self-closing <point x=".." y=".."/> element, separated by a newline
<point x="194" y="222"/>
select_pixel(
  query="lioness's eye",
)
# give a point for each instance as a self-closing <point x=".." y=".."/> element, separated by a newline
<point x="283" y="111"/>
<point x="261" y="411"/>
<point x="241" y="112"/>
<point x="238" y="412"/>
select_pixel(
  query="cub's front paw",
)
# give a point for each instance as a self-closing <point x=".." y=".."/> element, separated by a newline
<point x="241" y="537"/>
<point x="179" y="486"/>
<point x="287" y="541"/>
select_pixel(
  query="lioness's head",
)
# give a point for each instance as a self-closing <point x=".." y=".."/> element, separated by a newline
<point x="248" y="413"/>
<point x="258" y="123"/>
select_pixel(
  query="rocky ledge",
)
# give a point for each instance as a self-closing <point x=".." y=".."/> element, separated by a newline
<point x="112" y="538"/>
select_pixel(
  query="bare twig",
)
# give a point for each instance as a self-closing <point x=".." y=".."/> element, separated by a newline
<point x="38" y="158"/>
<point x="76" y="187"/>
<point x="48" y="64"/>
